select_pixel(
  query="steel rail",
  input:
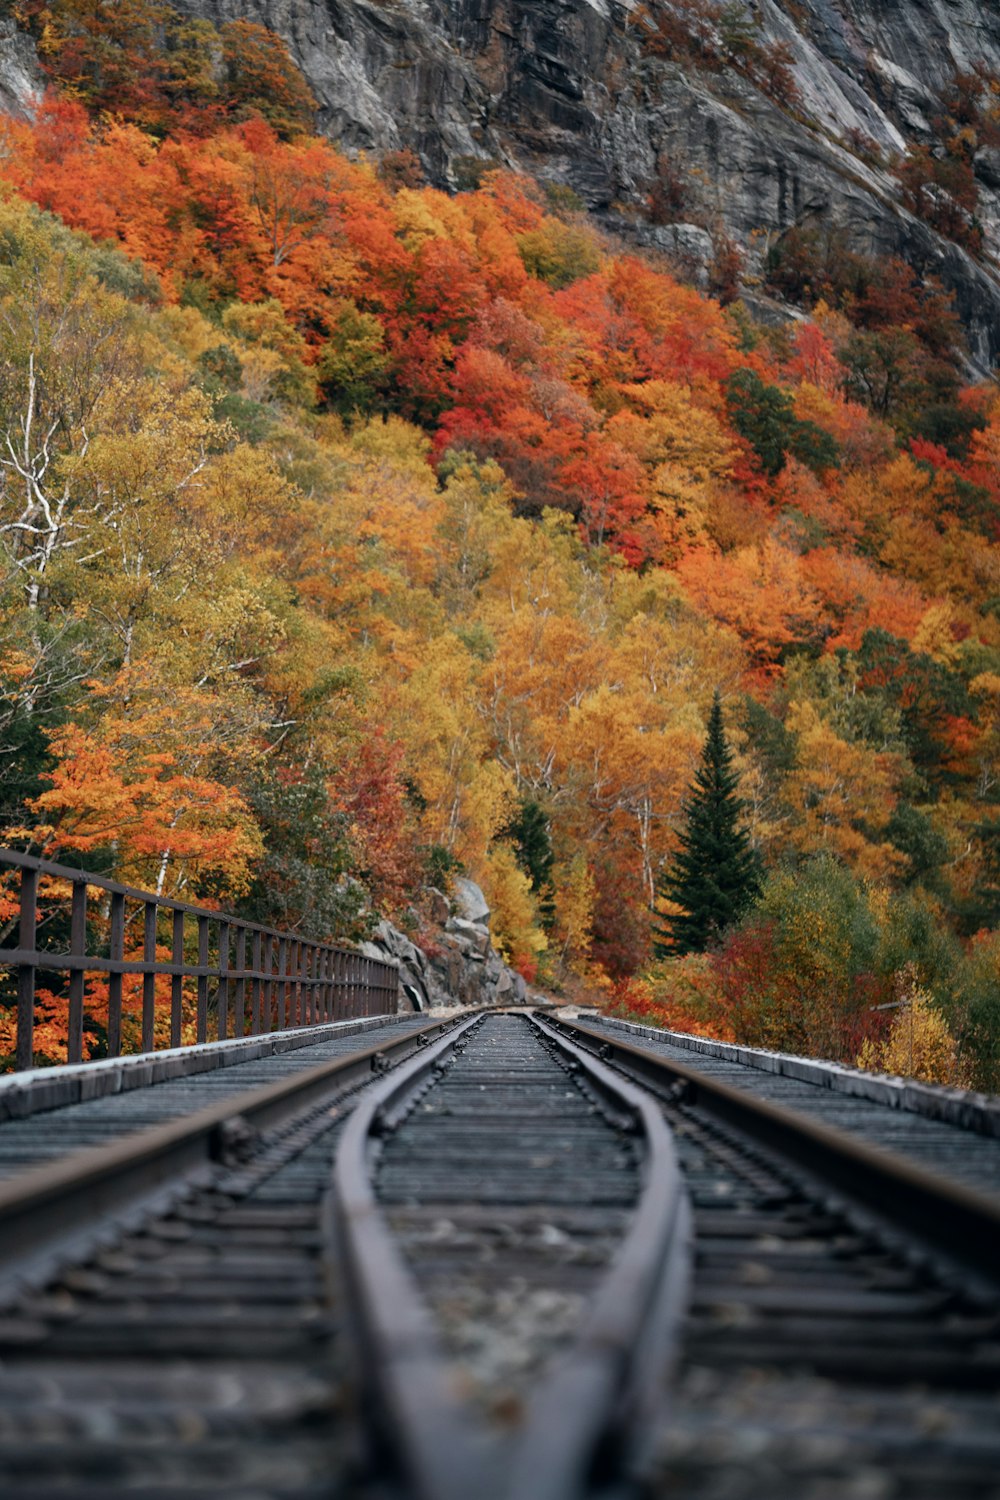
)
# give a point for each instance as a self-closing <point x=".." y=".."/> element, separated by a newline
<point x="401" y="1360"/>
<point x="957" y="1220"/>
<point x="45" y="1205"/>
<point x="614" y="1370"/>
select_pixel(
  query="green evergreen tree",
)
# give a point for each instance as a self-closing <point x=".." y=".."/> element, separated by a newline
<point x="716" y="875"/>
<point x="531" y="834"/>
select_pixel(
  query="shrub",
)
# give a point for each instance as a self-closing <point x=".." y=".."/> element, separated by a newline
<point x="558" y="253"/>
<point x="801" y="972"/>
<point x="680" y="995"/>
<point x="974" y="1011"/>
<point x="919" y="1044"/>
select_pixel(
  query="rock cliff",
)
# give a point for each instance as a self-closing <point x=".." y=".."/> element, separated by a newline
<point x="20" y="76"/>
<point x="458" y="965"/>
<point x="565" y="90"/>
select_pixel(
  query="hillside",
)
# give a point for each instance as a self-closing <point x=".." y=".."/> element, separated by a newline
<point x="719" y="134"/>
<point x="690" y="124"/>
<point x="357" y="532"/>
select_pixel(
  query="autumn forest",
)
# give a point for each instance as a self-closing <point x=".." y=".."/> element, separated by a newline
<point x="355" y="534"/>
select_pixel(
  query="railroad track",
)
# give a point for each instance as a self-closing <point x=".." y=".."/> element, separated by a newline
<point x="165" y="1322"/>
<point x="950" y="1131"/>
<point x="45" y="1118"/>
<point x="504" y="1266"/>
<point x="843" y="1331"/>
<point x="533" y="1200"/>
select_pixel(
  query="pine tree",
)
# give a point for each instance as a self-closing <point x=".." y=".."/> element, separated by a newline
<point x="531" y="834"/>
<point x="716" y="875"/>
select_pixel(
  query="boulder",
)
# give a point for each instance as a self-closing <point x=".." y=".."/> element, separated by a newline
<point x="397" y="945"/>
<point x="987" y="165"/>
<point x="458" y="967"/>
<point x="22" y="82"/>
<point x="505" y="985"/>
<point x="468" y="902"/>
<point x="473" y="935"/>
<point x="439" y="905"/>
<point x="689" y="247"/>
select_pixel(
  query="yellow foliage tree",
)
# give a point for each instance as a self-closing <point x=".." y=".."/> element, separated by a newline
<point x="575" y="893"/>
<point x="844" y="795"/>
<point x="919" y="1044"/>
<point x="687" y="452"/>
<point x="514" y="916"/>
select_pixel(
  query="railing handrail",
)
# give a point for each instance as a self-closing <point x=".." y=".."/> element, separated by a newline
<point x="292" y="980"/>
<point x="18" y="860"/>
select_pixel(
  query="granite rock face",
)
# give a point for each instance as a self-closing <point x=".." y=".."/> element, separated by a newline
<point x="459" y="967"/>
<point x="20" y="76"/>
<point x="561" y="89"/>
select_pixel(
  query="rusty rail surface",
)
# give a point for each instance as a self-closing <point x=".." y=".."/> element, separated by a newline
<point x="588" y="1398"/>
<point x="248" y="979"/>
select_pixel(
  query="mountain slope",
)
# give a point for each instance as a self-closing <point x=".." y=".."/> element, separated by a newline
<point x="575" y="95"/>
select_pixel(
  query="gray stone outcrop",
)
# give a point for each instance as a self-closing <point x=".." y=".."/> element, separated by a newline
<point x="459" y="965"/>
<point x="21" y="81"/>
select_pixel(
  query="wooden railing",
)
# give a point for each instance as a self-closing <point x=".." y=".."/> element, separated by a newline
<point x="224" y="976"/>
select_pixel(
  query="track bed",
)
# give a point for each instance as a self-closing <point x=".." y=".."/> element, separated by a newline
<point x="483" y="1260"/>
<point x="961" y="1152"/>
<point x="49" y="1134"/>
<point x="508" y="1189"/>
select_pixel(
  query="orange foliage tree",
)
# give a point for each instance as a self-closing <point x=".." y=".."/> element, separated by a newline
<point x="408" y="508"/>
